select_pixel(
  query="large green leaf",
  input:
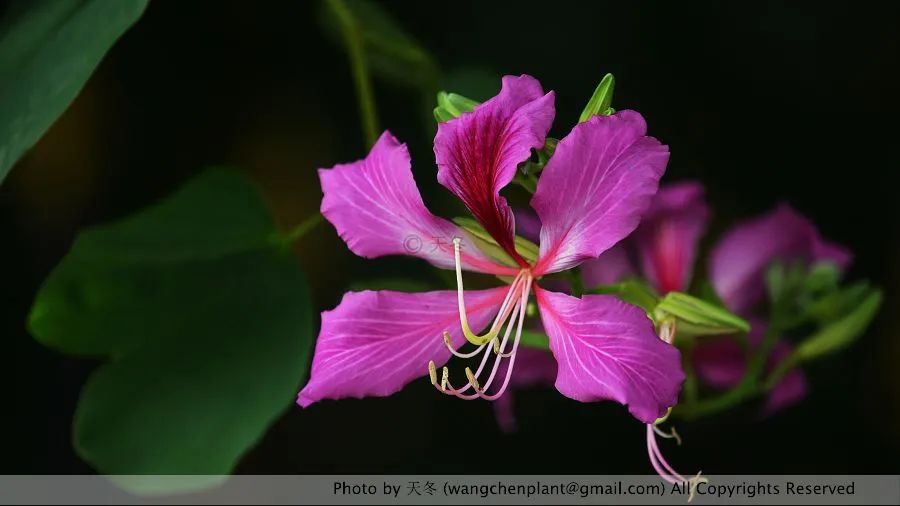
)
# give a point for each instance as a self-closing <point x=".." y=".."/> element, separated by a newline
<point x="204" y="317"/>
<point x="48" y="50"/>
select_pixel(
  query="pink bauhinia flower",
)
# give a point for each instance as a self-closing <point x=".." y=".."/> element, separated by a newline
<point x="665" y="246"/>
<point x="663" y="250"/>
<point x="738" y="263"/>
<point x="591" y="194"/>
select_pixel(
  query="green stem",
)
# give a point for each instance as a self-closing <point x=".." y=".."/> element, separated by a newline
<point x="301" y="229"/>
<point x="748" y="387"/>
<point x="361" y="77"/>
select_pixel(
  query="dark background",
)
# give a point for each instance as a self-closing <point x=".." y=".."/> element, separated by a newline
<point x="763" y="103"/>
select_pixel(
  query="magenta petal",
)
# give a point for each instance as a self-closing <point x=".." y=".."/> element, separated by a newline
<point x="612" y="266"/>
<point x="608" y="349"/>
<point x="788" y="392"/>
<point x="668" y="235"/>
<point x="721" y="363"/>
<point x="374" y="343"/>
<point x="595" y="188"/>
<point x="478" y="152"/>
<point x="791" y="389"/>
<point x="376" y="208"/>
<point x="825" y="251"/>
<point x="739" y="261"/>
<point x="528" y="225"/>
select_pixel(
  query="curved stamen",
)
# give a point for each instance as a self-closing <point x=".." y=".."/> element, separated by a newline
<point x="498" y="322"/>
<point x="463" y="320"/>
<point x="512" y="354"/>
<point x="461" y="391"/>
<point x="672" y="434"/>
<point x="662" y="467"/>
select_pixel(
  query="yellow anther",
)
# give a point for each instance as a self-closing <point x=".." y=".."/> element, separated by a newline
<point x="448" y="340"/>
<point x="496" y="346"/>
<point x="445" y="378"/>
<point x="472" y="379"/>
<point x="432" y="372"/>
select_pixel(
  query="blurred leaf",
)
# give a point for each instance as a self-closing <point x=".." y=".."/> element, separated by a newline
<point x="48" y="50"/>
<point x="204" y="317"/>
<point x="822" y="277"/>
<point x="489" y="246"/>
<point x="633" y="291"/>
<point x="785" y="284"/>
<point x="841" y="333"/>
<point x="534" y="339"/>
<point x="698" y="317"/>
<point x="390" y="51"/>
<point x="601" y="100"/>
<point x="775" y="280"/>
<point x="837" y="303"/>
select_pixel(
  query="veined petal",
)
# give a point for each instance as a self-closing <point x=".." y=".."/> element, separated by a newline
<point x="478" y="152"/>
<point x="607" y="349"/>
<point x="376" y="208"/>
<point x="374" y="343"/>
<point x="739" y="261"/>
<point x="595" y="188"/>
<point x="667" y="237"/>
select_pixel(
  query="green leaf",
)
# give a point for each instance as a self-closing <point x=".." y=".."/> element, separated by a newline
<point x="393" y="54"/>
<point x="842" y="332"/>
<point x="601" y="100"/>
<point x="204" y="318"/>
<point x="698" y="317"/>
<point x="489" y="246"/>
<point x="822" y="277"/>
<point x="837" y="303"/>
<point x="48" y="50"/>
<point x="633" y="291"/>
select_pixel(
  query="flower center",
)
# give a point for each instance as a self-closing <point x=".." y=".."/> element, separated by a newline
<point x="512" y="313"/>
